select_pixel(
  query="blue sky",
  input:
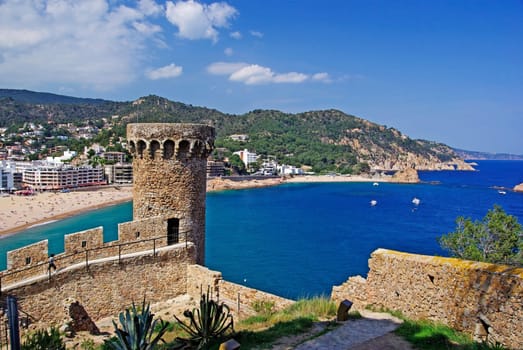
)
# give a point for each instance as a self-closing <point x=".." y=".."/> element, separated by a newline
<point x="448" y="71"/>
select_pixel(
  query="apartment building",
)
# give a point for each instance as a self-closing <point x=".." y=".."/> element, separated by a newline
<point x="119" y="173"/>
<point x="215" y="168"/>
<point x="47" y="178"/>
<point x="10" y="175"/>
<point x="247" y="157"/>
<point x="114" y="157"/>
<point x="6" y="180"/>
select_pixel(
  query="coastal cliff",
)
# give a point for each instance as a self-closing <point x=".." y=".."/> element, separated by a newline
<point x="388" y="149"/>
<point x="518" y="188"/>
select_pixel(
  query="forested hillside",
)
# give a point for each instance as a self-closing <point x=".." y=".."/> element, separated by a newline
<point x="327" y="140"/>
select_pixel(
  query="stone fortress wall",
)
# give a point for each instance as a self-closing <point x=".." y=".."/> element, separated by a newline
<point x="239" y="298"/>
<point x="104" y="277"/>
<point x="155" y="253"/>
<point x="481" y="299"/>
<point x="116" y="274"/>
<point x="169" y="174"/>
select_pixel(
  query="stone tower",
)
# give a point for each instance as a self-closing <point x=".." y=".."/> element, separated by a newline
<point x="169" y="175"/>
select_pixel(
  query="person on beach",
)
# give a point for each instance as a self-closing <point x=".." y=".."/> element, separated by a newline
<point x="51" y="263"/>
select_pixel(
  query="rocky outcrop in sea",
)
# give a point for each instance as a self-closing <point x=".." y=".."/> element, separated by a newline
<point x="408" y="175"/>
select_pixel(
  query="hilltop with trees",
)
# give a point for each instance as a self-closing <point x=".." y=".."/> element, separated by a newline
<point x="322" y="141"/>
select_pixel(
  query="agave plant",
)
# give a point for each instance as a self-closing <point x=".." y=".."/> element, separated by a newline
<point x="138" y="328"/>
<point x="208" y="323"/>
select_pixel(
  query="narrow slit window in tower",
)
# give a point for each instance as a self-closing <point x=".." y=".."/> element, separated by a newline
<point x="173" y="231"/>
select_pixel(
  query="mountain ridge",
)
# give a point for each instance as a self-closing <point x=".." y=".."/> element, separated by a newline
<point x="476" y="155"/>
<point x="36" y="97"/>
<point x="324" y="140"/>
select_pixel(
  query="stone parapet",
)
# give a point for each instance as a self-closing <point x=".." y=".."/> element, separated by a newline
<point x="481" y="299"/>
<point x="240" y="299"/>
<point x="107" y="286"/>
<point x="135" y="236"/>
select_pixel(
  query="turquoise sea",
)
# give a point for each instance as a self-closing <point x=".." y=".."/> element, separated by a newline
<point x="301" y="239"/>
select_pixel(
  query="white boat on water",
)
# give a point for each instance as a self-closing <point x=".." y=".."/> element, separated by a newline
<point x="373" y="203"/>
<point x="416" y="201"/>
<point x="375" y="184"/>
<point x="502" y="192"/>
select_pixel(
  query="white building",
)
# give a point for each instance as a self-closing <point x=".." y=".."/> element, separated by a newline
<point x="10" y="175"/>
<point x="239" y="137"/>
<point x="60" y="177"/>
<point x="6" y="179"/>
<point x="247" y="157"/>
<point x="269" y="167"/>
<point x="289" y="170"/>
<point x="68" y="155"/>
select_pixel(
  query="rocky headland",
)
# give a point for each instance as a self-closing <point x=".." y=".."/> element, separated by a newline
<point x="408" y="175"/>
<point x="518" y="188"/>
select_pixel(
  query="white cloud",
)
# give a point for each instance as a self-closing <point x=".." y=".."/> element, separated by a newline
<point x="228" y="52"/>
<point x="256" y="34"/>
<point x="82" y="43"/>
<point x="253" y="74"/>
<point x="147" y="28"/>
<point x="199" y="21"/>
<point x="150" y="7"/>
<point x="225" y="68"/>
<point x="291" y="77"/>
<point x="169" y="71"/>
<point x="323" y="77"/>
<point x="236" y="35"/>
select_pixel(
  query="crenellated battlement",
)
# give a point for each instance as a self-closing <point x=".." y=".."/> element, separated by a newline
<point x="133" y="236"/>
<point x="157" y="141"/>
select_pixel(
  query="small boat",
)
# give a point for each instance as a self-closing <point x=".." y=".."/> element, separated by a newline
<point x="375" y="184"/>
<point x="373" y="202"/>
<point x="416" y="201"/>
<point x="502" y="192"/>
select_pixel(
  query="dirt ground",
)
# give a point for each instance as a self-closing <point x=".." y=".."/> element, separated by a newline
<point x="166" y="309"/>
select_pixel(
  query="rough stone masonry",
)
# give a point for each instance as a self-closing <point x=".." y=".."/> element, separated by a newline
<point x="169" y="175"/>
<point x="481" y="299"/>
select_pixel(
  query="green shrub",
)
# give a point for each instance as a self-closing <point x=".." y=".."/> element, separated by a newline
<point x="44" y="340"/>
<point x="88" y="344"/>
<point x="319" y="306"/>
<point x="263" y="307"/>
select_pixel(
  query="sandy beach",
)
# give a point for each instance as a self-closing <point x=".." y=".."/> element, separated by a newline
<point x="22" y="212"/>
